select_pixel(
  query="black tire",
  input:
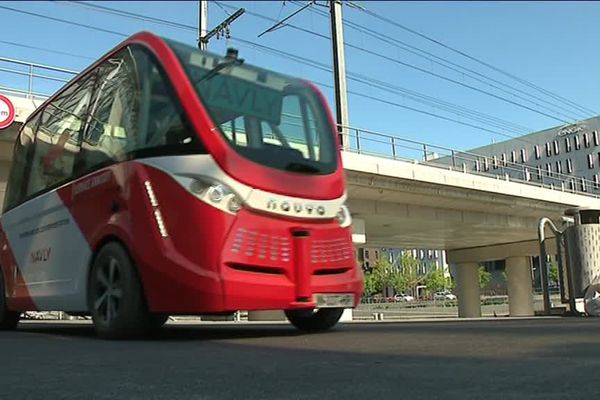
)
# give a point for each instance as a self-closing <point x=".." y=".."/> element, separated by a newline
<point x="8" y="319"/>
<point x="115" y="295"/>
<point x="314" y="320"/>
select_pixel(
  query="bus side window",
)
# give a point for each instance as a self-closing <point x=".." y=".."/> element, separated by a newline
<point x="113" y="114"/>
<point x="164" y="128"/>
<point x="57" y="137"/>
<point x="17" y="183"/>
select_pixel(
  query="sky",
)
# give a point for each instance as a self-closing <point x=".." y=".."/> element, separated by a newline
<point x="549" y="44"/>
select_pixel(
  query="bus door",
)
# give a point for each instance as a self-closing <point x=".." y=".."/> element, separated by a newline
<point x="46" y="241"/>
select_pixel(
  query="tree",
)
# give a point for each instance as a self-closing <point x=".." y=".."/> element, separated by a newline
<point x="484" y="277"/>
<point x="406" y="275"/>
<point x="371" y="284"/>
<point x="553" y="272"/>
<point x="435" y="281"/>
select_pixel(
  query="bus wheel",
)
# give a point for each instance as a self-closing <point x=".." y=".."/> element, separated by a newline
<point x="115" y="296"/>
<point x="314" y="320"/>
<point x="8" y="319"/>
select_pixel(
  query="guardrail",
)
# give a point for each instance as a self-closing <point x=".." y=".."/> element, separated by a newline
<point x="40" y="81"/>
<point x="368" y="142"/>
<point x="31" y="79"/>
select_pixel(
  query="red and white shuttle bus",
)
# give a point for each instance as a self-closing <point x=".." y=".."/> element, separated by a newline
<point x="167" y="180"/>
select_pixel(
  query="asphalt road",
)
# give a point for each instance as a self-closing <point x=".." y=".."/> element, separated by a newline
<point x="500" y="359"/>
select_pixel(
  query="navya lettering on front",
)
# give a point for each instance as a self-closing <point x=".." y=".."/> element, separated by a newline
<point x="170" y="180"/>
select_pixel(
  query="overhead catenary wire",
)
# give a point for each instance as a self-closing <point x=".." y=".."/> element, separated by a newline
<point x="406" y="92"/>
<point x="142" y="17"/>
<point x="415" y="96"/>
<point x="53" y="51"/>
<point x="364" y="95"/>
<point x="86" y="26"/>
<point x="122" y="34"/>
<point x="477" y="60"/>
<point x="454" y="81"/>
<point x="471" y="73"/>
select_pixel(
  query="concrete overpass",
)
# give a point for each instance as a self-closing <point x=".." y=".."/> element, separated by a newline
<point x="474" y="218"/>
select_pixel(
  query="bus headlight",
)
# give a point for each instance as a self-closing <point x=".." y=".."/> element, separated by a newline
<point x="343" y="217"/>
<point x="216" y="194"/>
<point x="234" y="204"/>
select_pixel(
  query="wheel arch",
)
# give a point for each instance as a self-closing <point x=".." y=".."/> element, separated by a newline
<point x="99" y="245"/>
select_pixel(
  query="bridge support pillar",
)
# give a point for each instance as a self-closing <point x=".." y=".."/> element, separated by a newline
<point x="467" y="290"/>
<point x="520" y="293"/>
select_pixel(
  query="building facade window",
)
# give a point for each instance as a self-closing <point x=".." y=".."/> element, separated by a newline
<point x="523" y="155"/>
<point x="596" y="138"/>
<point x="548" y="149"/>
<point x="586" y="139"/>
<point x="495" y="162"/>
<point x="568" y="144"/>
<point x="583" y="185"/>
<point x="577" y="142"/>
<point x="536" y="149"/>
<point x="477" y="165"/>
<point x="548" y="169"/>
<point x="486" y="164"/>
<point x="556" y="147"/>
<point x="527" y="175"/>
<point x="559" y="167"/>
<point x="513" y="156"/>
<point x="503" y="159"/>
<point x="539" y="172"/>
<point x="590" y="158"/>
<point x="596" y="181"/>
<point x="569" y="166"/>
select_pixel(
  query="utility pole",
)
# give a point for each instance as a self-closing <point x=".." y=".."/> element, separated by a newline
<point x="220" y="30"/>
<point x="339" y="71"/>
<point x="202" y="23"/>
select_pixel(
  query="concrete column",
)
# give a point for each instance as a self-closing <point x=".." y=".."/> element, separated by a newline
<point x="520" y="294"/>
<point x="467" y="290"/>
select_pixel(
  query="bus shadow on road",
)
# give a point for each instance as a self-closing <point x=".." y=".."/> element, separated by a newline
<point x="171" y="332"/>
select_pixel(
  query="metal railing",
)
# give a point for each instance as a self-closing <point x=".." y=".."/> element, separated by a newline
<point x="368" y="142"/>
<point x="40" y="81"/>
<point x="31" y="79"/>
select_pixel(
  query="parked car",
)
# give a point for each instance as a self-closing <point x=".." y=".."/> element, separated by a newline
<point x="403" y="297"/>
<point x="445" y="295"/>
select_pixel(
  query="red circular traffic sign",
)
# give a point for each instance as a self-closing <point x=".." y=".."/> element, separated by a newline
<point x="7" y="112"/>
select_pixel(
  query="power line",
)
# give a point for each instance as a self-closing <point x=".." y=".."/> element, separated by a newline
<point x="386" y="86"/>
<point x="327" y="69"/>
<point x="449" y="64"/>
<point x="412" y="95"/>
<point x="362" y="49"/>
<point x="46" y="50"/>
<point x="122" y="13"/>
<point x="479" y="61"/>
<point x="131" y="15"/>
<point x="189" y="27"/>
<point x="64" y="21"/>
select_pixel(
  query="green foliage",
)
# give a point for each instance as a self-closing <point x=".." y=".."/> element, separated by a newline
<point x="484" y="277"/>
<point x="401" y="277"/>
<point x="406" y="275"/>
<point x="435" y="281"/>
<point x="553" y="272"/>
<point x="371" y="285"/>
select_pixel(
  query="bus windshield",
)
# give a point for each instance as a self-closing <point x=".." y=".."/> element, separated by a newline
<point x="269" y="118"/>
